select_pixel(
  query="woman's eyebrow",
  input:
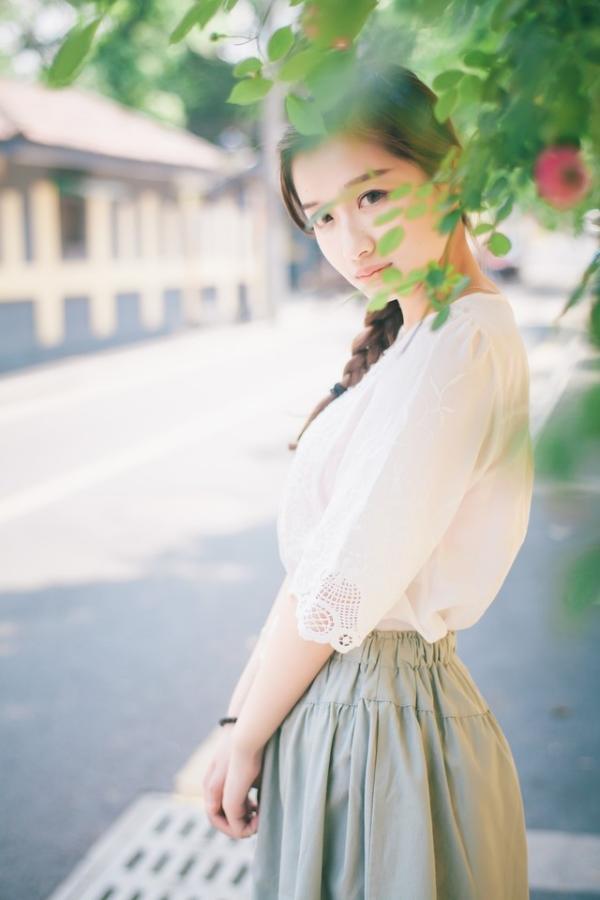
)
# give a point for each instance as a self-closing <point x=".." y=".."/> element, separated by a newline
<point x="364" y="177"/>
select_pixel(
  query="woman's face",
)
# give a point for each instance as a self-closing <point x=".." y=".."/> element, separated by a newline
<point x="347" y="234"/>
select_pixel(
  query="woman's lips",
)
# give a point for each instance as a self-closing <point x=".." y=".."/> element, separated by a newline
<point x="375" y="272"/>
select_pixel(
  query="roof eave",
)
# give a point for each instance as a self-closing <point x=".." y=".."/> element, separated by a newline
<point x="28" y="153"/>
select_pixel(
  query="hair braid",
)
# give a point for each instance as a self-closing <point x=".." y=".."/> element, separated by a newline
<point x="380" y="332"/>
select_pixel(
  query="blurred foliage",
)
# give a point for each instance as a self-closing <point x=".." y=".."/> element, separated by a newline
<point x="519" y="78"/>
<point x="121" y="50"/>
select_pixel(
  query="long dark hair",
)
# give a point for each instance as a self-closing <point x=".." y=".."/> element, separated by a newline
<point x="394" y="108"/>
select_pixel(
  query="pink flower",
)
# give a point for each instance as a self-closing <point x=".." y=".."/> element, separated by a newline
<point x="561" y="176"/>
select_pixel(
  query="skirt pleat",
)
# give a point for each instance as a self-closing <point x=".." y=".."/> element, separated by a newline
<point x="390" y="779"/>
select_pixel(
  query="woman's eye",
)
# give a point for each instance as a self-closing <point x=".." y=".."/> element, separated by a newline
<point x="322" y="220"/>
<point x="379" y="194"/>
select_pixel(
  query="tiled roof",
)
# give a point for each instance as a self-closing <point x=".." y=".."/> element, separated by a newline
<point x="80" y="120"/>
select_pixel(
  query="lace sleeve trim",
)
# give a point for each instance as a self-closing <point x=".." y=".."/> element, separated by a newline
<point x="330" y="614"/>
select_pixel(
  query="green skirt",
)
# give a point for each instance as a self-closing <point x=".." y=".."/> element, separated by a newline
<point x="390" y="779"/>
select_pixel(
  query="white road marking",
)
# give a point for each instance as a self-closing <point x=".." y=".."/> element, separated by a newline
<point x="563" y="861"/>
<point x="551" y="366"/>
<point x="228" y="418"/>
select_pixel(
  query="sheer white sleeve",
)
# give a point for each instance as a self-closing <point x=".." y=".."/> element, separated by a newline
<point x="403" y="475"/>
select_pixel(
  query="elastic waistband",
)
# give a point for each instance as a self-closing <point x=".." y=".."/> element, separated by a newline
<point x="395" y="647"/>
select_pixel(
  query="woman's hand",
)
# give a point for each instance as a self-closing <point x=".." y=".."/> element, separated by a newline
<point x="214" y="781"/>
<point x="213" y="787"/>
<point x="243" y="773"/>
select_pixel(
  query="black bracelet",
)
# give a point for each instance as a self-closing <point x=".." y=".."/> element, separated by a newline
<point x="227" y="719"/>
<point x="337" y="389"/>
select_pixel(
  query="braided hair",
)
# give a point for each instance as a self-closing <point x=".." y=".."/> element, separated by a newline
<point x="382" y="327"/>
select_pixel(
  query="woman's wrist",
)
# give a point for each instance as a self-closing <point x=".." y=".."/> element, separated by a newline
<point x="243" y="754"/>
<point x="242" y="745"/>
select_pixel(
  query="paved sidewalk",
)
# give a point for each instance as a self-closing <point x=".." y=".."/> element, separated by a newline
<point x="138" y="500"/>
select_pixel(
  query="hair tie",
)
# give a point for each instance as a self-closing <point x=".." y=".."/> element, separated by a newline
<point x="337" y="389"/>
<point x="226" y="719"/>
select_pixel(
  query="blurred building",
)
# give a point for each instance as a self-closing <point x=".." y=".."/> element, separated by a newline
<point x="114" y="227"/>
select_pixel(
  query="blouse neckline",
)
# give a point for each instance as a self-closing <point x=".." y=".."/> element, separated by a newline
<point x="376" y="370"/>
<point x="497" y="295"/>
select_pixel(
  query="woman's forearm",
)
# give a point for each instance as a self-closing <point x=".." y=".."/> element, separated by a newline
<point x="243" y="685"/>
<point x="288" y="665"/>
<point x="246" y="678"/>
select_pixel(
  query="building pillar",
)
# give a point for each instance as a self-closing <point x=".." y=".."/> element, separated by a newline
<point x="12" y="227"/>
<point x="152" y="312"/>
<point x="48" y="299"/>
<point x="102" y="300"/>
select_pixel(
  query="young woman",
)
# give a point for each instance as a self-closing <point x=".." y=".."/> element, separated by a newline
<point x="382" y="772"/>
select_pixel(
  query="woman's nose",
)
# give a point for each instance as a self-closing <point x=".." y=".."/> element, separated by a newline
<point x="356" y="243"/>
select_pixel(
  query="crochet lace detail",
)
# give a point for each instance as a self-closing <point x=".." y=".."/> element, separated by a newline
<point x="333" y="612"/>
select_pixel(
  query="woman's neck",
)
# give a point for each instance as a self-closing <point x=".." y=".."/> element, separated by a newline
<point x="416" y="305"/>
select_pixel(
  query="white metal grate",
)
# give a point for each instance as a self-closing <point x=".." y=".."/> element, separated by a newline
<point x="162" y="848"/>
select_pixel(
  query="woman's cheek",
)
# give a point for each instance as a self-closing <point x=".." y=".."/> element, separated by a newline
<point x="329" y="253"/>
<point x="422" y="243"/>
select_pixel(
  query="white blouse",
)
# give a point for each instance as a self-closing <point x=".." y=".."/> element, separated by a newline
<point x="408" y="497"/>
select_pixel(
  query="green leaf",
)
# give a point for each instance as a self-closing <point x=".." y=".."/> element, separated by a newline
<point x="416" y="210"/>
<point x="424" y="190"/>
<point x="335" y="23"/>
<point x="409" y="281"/>
<point x="498" y="189"/>
<point x="304" y="115"/>
<point x="440" y="318"/>
<point x="447" y="201"/>
<point x="448" y="222"/>
<point x="247" y="66"/>
<point x="499" y="244"/>
<point x="593" y="55"/>
<point x="390" y="240"/>
<point x="388" y="216"/>
<point x="73" y="52"/>
<point x="445" y="105"/>
<point x="483" y="227"/>
<point x="477" y="59"/>
<point x="445" y="164"/>
<point x="435" y="277"/>
<point x="321" y="211"/>
<point x="199" y="14"/>
<point x="186" y="23"/>
<point x="328" y="80"/>
<point x="300" y="64"/>
<point x="280" y="42"/>
<point x="470" y="88"/>
<point x="391" y="275"/>
<point x="379" y="301"/>
<point x="208" y="10"/>
<point x="505" y="210"/>
<point x="400" y="191"/>
<point x="250" y="90"/>
<point x="448" y="79"/>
